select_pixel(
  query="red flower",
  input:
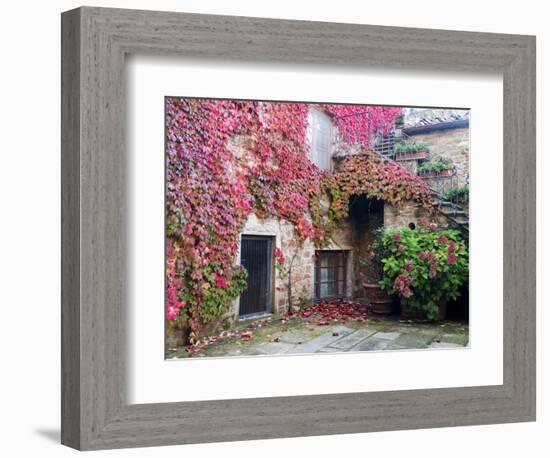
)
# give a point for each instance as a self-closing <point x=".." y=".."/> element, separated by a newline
<point x="408" y="265"/>
<point x="396" y="237"/>
<point x="451" y="259"/>
<point x="442" y="239"/>
<point x="401" y="248"/>
<point x="433" y="226"/>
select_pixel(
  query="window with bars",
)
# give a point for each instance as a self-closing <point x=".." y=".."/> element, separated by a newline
<point x="331" y="272"/>
<point x="321" y="139"/>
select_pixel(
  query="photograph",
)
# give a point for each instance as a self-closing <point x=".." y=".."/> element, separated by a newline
<point x="313" y="228"/>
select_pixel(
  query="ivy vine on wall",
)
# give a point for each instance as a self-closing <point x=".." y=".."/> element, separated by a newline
<point x="226" y="159"/>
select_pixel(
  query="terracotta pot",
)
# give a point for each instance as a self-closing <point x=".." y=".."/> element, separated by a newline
<point x="440" y="173"/>
<point x="381" y="302"/>
<point x="442" y="311"/>
<point x="406" y="311"/>
<point x="413" y="155"/>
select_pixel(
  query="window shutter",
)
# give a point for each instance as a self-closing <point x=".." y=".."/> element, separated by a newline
<point x="321" y="139"/>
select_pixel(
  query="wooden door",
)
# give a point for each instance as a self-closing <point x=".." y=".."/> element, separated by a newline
<point x="256" y="259"/>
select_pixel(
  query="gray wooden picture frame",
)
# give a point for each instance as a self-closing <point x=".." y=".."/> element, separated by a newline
<point x="95" y="413"/>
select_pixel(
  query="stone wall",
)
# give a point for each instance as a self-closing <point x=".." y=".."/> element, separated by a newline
<point x="410" y="212"/>
<point x="303" y="272"/>
<point x="452" y="144"/>
<point x="355" y="235"/>
<point x="303" y="267"/>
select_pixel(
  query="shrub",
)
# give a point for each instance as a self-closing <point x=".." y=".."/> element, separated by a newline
<point x="424" y="266"/>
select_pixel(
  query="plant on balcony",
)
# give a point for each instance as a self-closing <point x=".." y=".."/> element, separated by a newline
<point x="410" y="147"/>
<point x="437" y="167"/>
<point x="405" y="151"/>
<point x="425" y="266"/>
<point x="460" y="195"/>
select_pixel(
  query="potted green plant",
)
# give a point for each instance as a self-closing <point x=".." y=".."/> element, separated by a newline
<point x="411" y="151"/>
<point x="437" y="168"/>
<point x="424" y="266"/>
<point x="459" y="196"/>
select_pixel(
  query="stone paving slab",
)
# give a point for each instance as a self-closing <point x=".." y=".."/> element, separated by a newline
<point x="372" y="344"/>
<point x="387" y="335"/>
<point x="413" y="340"/>
<point x="324" y="340"/>
<point x="296" y="336"/>
<point x="461" y="339"/>
<point x="408" y="330"/>
<point x="330" y="350"/>
<point x="445" y="345"/>
<point x="394" y="346"/>
<point x="353" y="339"/>
<point x="245" y="351"/>
<point x="276" y="348"/>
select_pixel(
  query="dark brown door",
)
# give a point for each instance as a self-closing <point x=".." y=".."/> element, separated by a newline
<point x="256" y="259"/>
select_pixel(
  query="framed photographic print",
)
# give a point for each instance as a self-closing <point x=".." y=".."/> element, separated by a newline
<point x="266" y="234"/>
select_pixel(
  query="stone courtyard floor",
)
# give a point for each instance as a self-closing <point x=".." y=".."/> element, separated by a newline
<point x="313" y="333"/>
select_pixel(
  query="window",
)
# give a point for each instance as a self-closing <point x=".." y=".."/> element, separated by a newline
<point x="321" y="139"/>
<point x="330" y="274"/>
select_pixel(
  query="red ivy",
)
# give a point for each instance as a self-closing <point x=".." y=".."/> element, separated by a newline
<point x="212" y="188"/>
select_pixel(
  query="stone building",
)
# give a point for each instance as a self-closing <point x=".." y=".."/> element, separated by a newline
<point x="339" y="269"/>
<point x="447" y="132"/>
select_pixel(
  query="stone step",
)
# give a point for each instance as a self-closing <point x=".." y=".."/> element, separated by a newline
<point x="453" y="212"/>
<point x="461" y="220"/>
<point x="444" y="203"/>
